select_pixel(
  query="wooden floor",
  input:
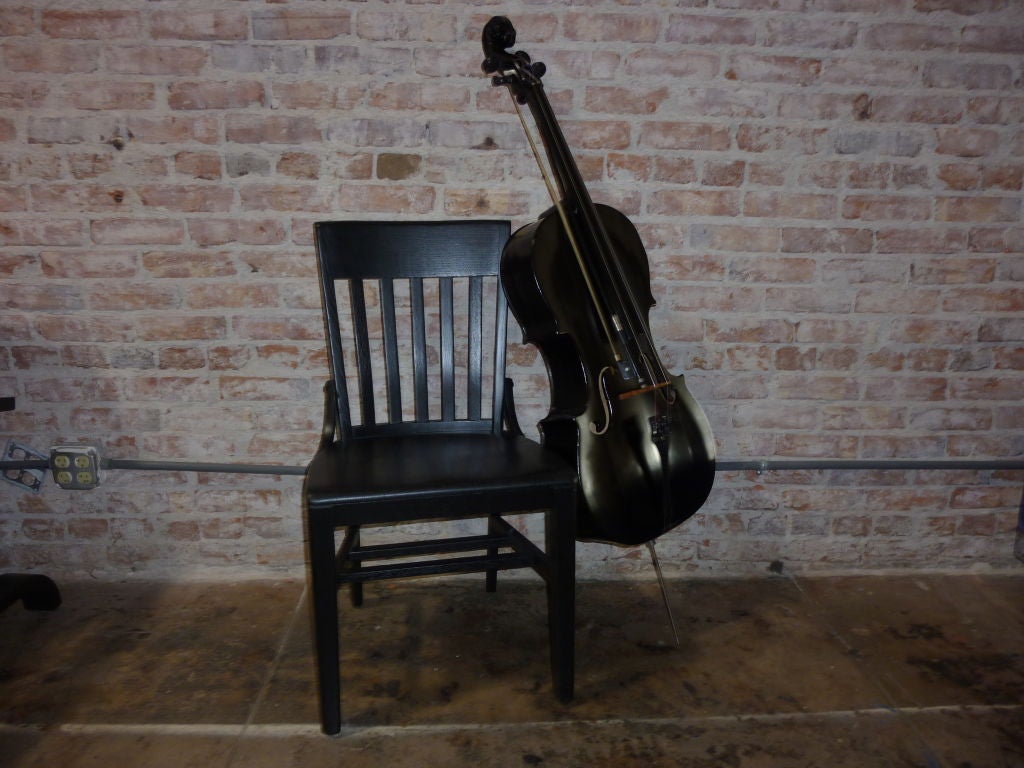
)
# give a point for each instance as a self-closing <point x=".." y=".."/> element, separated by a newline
<point x="864" y="671"/>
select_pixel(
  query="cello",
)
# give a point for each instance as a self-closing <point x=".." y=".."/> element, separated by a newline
<point x="578" y="283"/>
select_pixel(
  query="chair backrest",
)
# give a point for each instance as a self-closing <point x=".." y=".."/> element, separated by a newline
<point x="416" y="310"/>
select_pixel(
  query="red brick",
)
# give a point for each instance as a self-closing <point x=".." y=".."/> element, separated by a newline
<point x="977" y="209"/>
<point x="170" y="326"/>
<point x="121" y="231"/>
<point x="263" y="388"/>
<point x="811" y="33"/>
<point x="698" y="202"/>
<point x="954" y="270"/>
<point x="275" y="328"/>
<point x="86" y="528"/>
<point x="622" y="100"/>
<point x="275" y="129"/>
<point x="750" y="331"/>
<point x="711" y="30"/>
<point x="897" y="36"/>
<point x="42" y="529"/>
<point x="191" y="198"/>
<point x="736" y="238"/>
<point x="789" y="205"/>
<point x="945" y="419"/>
<point x="995" y="240"/>
<point x="832" y="330"/>
<point x="199" y="165"/>
<point x="970" y="75"/>
<point x="861" y="417"/>
<point x="832" y="240"/>
<point x="155" y="59"/>
<point x="977" y="388"/>
<point x="173" y="130"/>
<point x="387" y="199"/>
<point x="774" y="69"/>
<point x="917" y="109"/>
<point x="923" y="240"/>
<point x="70" y="389"/>
<point x="465" y="202"/>
<point x="230" y="295"/>
<point x="967" y="142"/>
<point x="16" y="21"/>
<point x="98" y="25"/>
<point x="236" y="94"/>
<point x="43" y="297"/>
<point x="876" y="71"/>
<point x="403" y="25"/>
<point x="994" y="39"/>
<point x="300" y="165"/>
<point x="206" y="231"/>
<point x="984" y="299"/>
<point x="126" y="296"/>
<point x="50" y="57"/>
<point x="799" y="386"/>
<point x="678" y="170"/>
<point x="964" y="7"/>
<point x="698" y="65"/>
<point x="186" y="264"/>
<point x="309" y="24"/>
<point x="199" y="25"/>
<point x="882" y="207"/>
<point x="757" y="138"/>
<point x="285" y="197"/>
<point x="76" y="264"/>
<point x="923" y="330"/>
<point x="597" y="134"/>
<point x="996" y="110"/>
<point x="603" y="27"/>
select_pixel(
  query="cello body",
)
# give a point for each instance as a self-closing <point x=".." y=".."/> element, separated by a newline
<point x="578" y="282"/>
<point x="631" y="490"/>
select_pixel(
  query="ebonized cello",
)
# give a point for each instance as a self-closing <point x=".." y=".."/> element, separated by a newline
<point x="578" y="283"/>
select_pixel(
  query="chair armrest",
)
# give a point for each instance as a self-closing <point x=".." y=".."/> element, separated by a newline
<point x="329" y="430"/>
<point x="509" y="421"/>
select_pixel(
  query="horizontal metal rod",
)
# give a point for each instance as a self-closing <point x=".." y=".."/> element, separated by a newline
<point x="193" y="466"/>
<point x="764" y="465"/>
<point x="723" y="465"/>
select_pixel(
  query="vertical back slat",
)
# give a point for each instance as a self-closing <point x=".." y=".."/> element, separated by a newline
<point x="380" y="261"/>
<point x="391" y="366"/>
<point x="419" y="348"/>
<point x="500" y="331"/>
<point x="362" y="344"/>
<point x="474" y="372"/>
<point x="447" y="349"/>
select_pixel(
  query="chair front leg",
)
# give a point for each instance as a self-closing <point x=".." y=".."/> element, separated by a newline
<point x="322" y="557"/>
<point x="560" y="546"/>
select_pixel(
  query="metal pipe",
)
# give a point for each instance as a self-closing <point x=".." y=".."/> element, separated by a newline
<point x="193" y="466"/>
<point x="724" y="465"/>
<point x="764" y="465"/>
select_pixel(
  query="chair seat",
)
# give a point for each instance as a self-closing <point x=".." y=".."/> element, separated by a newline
<point x="431" y="468"/>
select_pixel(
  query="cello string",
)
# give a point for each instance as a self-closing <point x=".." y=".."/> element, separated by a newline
<point x="634" y="316"/>
<point x="568" y="229"/>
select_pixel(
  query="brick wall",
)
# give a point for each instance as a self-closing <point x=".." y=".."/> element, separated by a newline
<point x="829" y="190"/>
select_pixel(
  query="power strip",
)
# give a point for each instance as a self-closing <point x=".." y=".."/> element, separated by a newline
<point x="75" y="467"/>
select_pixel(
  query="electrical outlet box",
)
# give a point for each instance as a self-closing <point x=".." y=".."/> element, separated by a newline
<point x="75" y="467"/>
<point x="28" y="479"/>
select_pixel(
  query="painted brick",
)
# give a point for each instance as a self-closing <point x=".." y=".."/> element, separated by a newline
<point x="828" y="190"/>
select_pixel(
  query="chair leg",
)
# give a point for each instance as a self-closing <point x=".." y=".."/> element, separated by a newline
<point x="322" y="558"/>
<point x="355" y="588"/>
<point x="491" y="579"/>
<point x="560" y="544"/>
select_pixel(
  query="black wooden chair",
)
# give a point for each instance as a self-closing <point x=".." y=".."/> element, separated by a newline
<point x="434" y="435"/>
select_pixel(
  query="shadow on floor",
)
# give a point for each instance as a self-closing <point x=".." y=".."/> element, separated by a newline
<point x="861" y="671"/>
